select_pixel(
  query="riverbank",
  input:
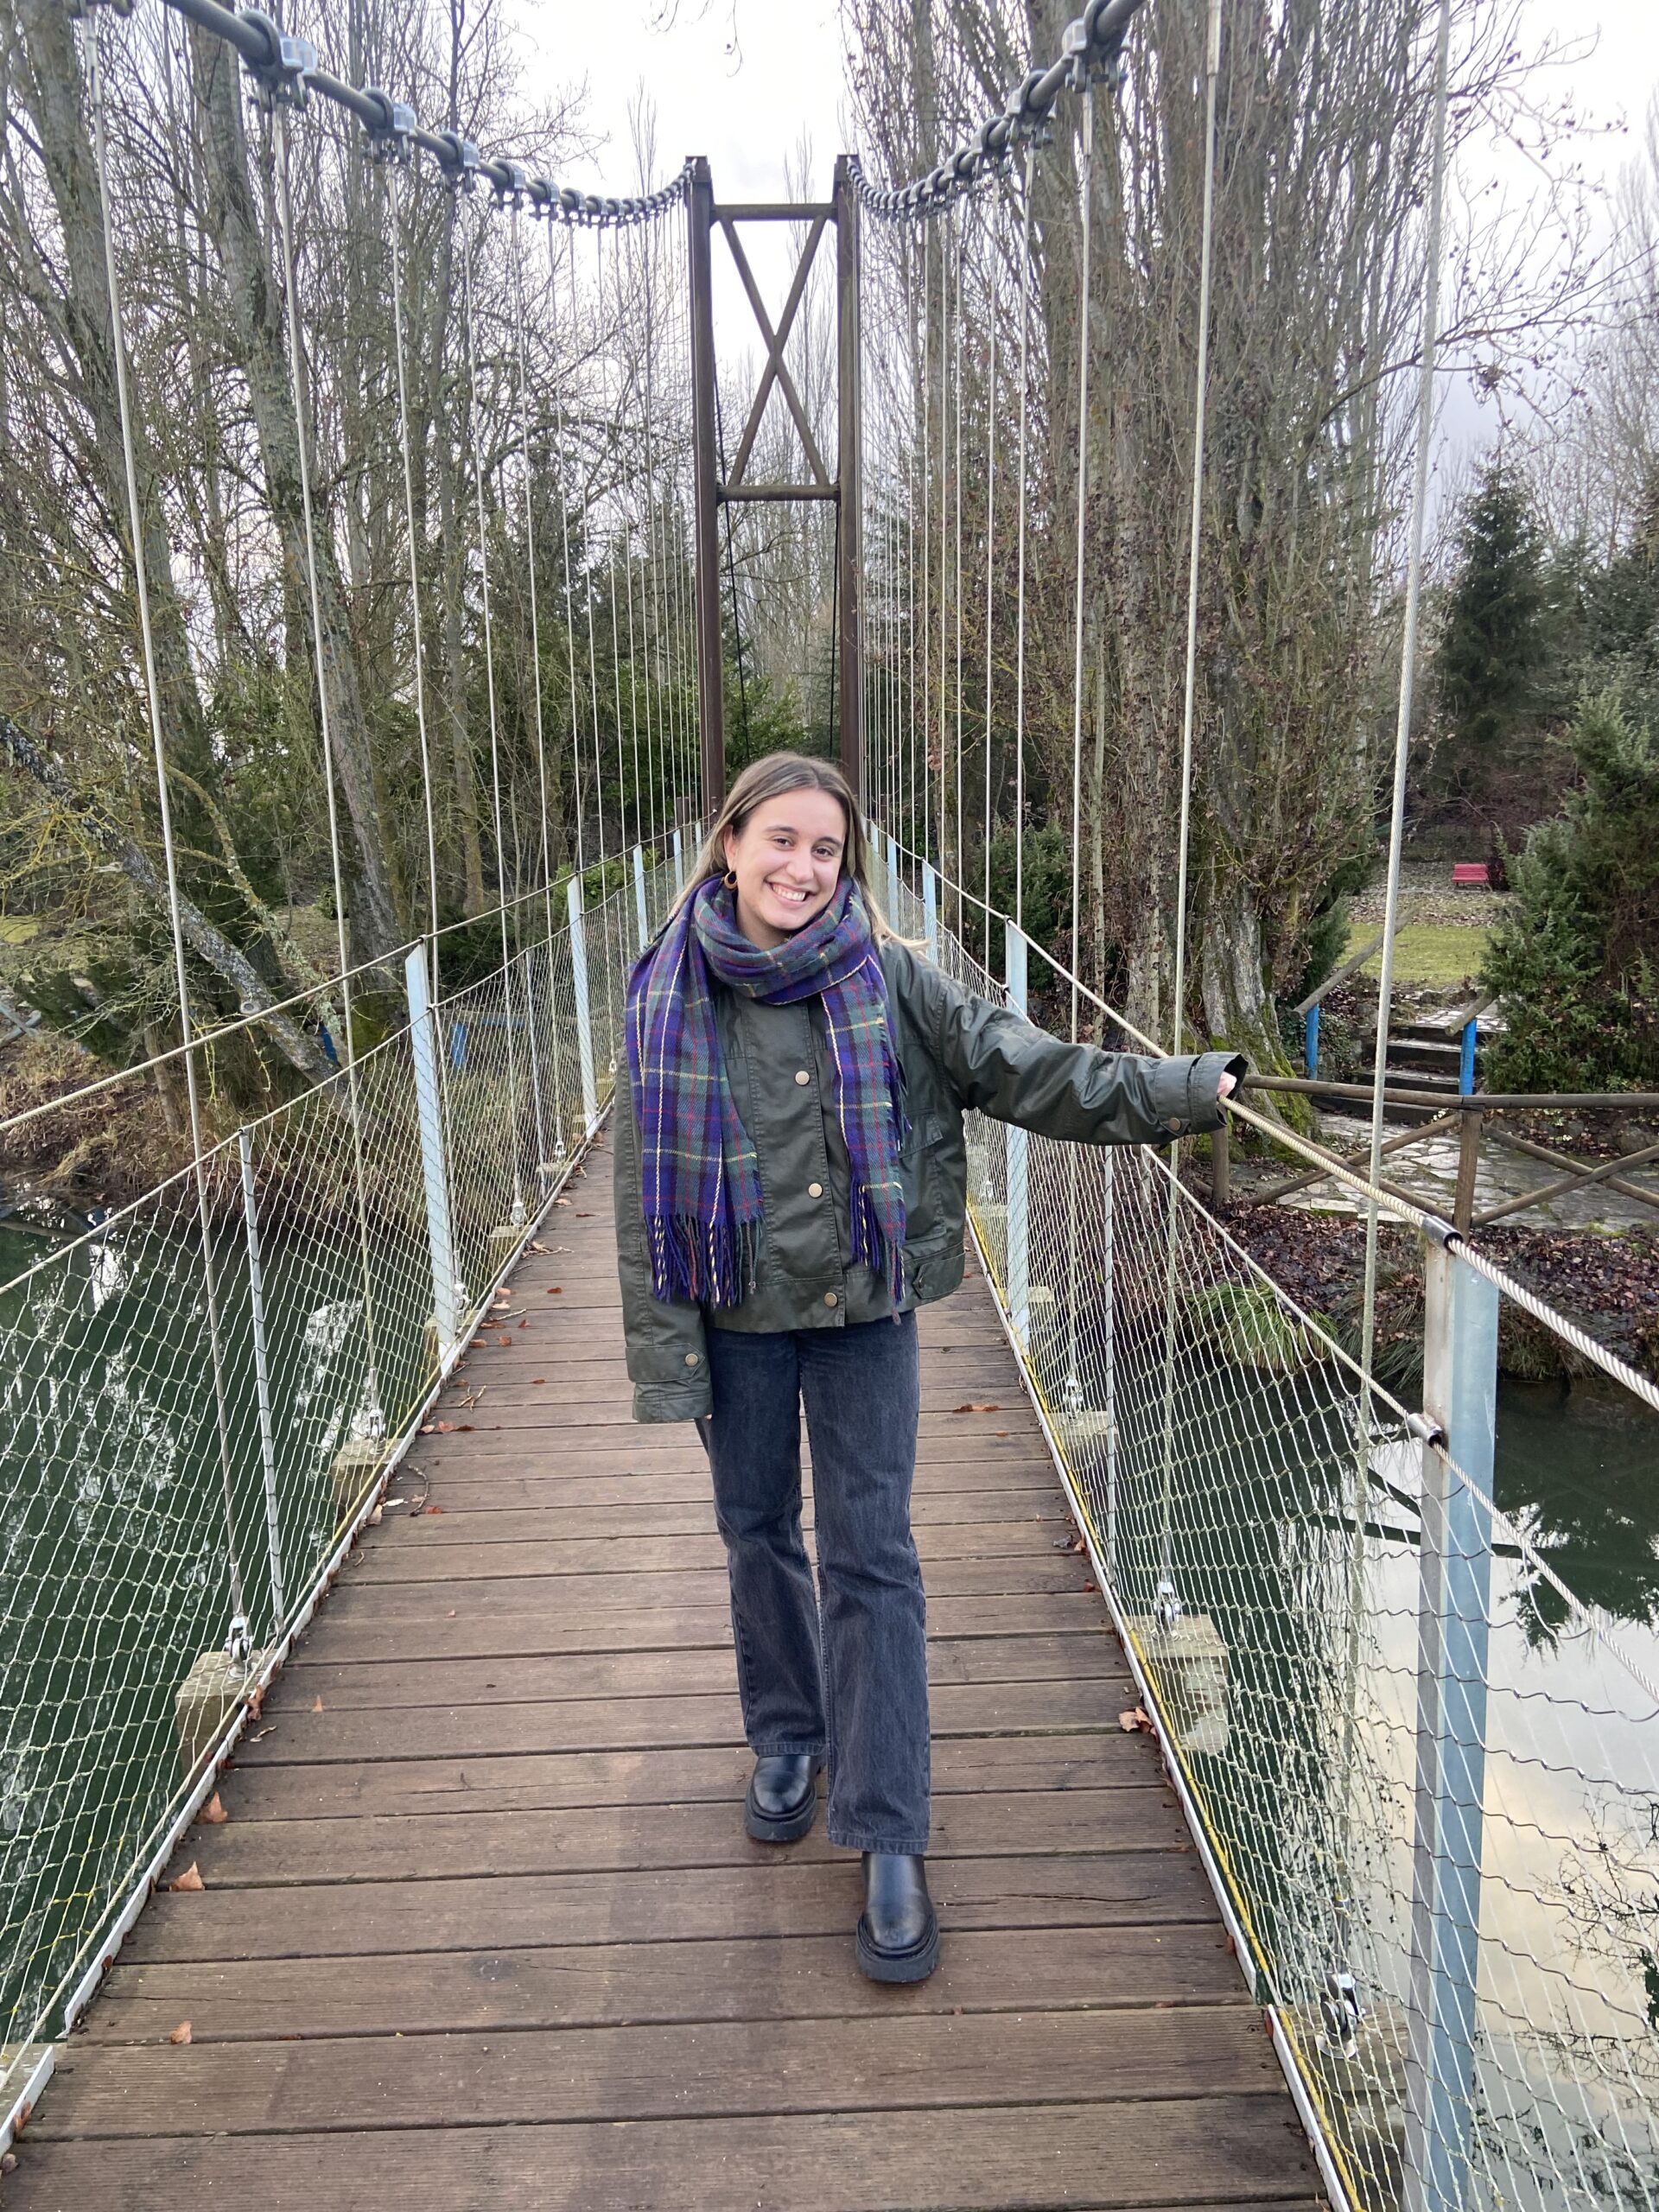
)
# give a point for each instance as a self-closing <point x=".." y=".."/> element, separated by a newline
<point x="1609" y="1284"/>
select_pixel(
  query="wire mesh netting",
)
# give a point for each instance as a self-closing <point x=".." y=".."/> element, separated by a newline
<point x="192" y="1423"/>
<point x="1426" y="1777"/>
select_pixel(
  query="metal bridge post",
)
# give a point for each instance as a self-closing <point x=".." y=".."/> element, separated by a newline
<point x="639" y="894"/>
<point x="584" y="1012"/>
<point x="931" y="909"/>
<point x="261" y="1382"/>
<point x="679" y="861"/>
<point x="1018" y="1259"/>
<point x="711" y="703"/>
<point x="893" y="880"/>
<point x="1455" y="1571"/>
<point x="435" y="1174"/>
<point x="849" y="503"/>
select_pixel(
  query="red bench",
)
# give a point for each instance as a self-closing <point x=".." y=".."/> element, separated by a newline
<point x="1475" y="873"/>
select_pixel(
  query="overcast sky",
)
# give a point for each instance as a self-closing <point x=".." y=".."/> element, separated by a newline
<point x="748" y="109"/>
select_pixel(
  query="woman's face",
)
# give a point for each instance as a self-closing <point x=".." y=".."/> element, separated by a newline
<point x="787" y="861"/>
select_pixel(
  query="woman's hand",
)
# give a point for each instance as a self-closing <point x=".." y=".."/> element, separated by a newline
<point x="1228" y="1084"/>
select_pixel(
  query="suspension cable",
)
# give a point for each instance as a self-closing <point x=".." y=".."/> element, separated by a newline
<point x="375" y="1415"/>
<point x="396" y="226"/>
<point x="1019" y="588"/>
<point x="1407" y="654"/>
<point x="1213" y="70"/>
<point x="469" y="323"/>
<point x="239" y="1635"/>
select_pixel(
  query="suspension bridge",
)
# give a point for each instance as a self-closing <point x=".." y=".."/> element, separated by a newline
<point x="371" y="1757"/>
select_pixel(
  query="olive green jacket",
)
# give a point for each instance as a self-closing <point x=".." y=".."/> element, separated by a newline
<point x="955" y="1052"/>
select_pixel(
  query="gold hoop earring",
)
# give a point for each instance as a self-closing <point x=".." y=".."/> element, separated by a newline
<point x="730" y="878"/>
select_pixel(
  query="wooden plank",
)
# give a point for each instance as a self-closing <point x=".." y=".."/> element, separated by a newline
<point x="422" y="1545"/>
<point x="620" y="1723"/>
<point x="514" y="1579"/>
<point x="781" y="1895"/>
<point x="942" y="1491"/>
<point x="1095" y="2157"/>
<point x="685" y="1535"/>
<point x="506" y="1677"/>
<point x="453" y="1846"/>
<point x="993" y="1971"/>
<point x="914" y="2062"/>
<point x="403" y="1622"/>
<point x="265" y="1786"/>
<point x="472" y="1515"/>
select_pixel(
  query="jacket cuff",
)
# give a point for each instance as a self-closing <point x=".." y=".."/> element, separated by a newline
<point x="1205" y="1109"/>
<point x="1184" y="1092"/>
<point x="659" y="1402"/>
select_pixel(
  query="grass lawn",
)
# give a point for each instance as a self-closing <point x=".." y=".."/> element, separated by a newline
<point x="1427" y="952"/>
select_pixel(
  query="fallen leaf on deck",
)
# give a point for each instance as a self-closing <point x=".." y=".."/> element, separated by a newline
<point x="524" y="1323"/>
<point x="432" y="1509"/>
<point x="976" y="1410"/>
<point x="213" y="1812"/>
<point x="444" y="1427"/>
<point x="534" y="1247"/>
<point x="464" y="1428"/>
<point x="190" y="1879"/>
<point x="427" y="1428"/>
<point x="504" y="1340"/>
<point x="450" y="1615"/>
<point x="260" y="1734"/>
<point x="182" y="2033"/>
<point x="374" y="1518"/>
<point x="316" y="1705"/>
<point x="561" y="1201"/>
<point x="1136" y="1722"/>
<point x="535" y="1380"/>
<point x="256" y="1704"/>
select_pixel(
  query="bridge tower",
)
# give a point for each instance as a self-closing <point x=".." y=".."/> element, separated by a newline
<point x="844" y="489"/>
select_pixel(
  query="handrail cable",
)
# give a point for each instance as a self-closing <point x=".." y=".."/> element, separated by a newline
<point x="395" y="169"/>
<point x="1020" y="587"/>
<point x="1390" y="1202"/>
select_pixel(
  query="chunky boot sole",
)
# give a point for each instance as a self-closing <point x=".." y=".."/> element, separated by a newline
<point x="914" y="1965"/>
<point x="790" y="1827"/>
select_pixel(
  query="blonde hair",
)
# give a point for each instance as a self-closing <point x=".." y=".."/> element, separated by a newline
<point x="770" y="779"/>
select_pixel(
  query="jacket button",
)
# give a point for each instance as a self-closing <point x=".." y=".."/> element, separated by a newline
<point x="829" y="1298"/>
<point x="1173" y="1124"/>
<point x="691" y="1359"/>
<point x="815" y="1190"/>
<point x="801" y="1076"/>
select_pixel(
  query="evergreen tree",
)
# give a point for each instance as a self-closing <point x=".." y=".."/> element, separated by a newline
<point x="1494" y="645"/>
<point x="1577" y="962"/>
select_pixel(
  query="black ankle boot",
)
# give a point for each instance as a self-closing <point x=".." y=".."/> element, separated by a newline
<point x="899" y="1934"/>
<point x="783" y="1799"/>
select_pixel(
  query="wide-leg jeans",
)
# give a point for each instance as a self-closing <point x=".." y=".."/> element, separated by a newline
<point x="843" y="1674"/>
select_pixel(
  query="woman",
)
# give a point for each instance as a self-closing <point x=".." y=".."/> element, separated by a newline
<point x="791" y="1185"/>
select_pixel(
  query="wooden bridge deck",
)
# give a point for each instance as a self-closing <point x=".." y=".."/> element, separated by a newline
<point x="482" y="1928"/>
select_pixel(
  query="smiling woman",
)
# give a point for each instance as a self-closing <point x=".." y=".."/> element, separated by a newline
<point x="791" y="1185"/>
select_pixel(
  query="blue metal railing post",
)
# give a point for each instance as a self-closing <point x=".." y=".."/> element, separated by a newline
<point x="892" y="879"/>
<point x="1311" y="1043"/>
<point x="931" y="909"/>
<point x="640" y="895"/>
<point x="1466" y="1061"/>
<point x="262" y="1381"/>
<point x="1018" y="1257"/>
<point x="1454" y="1610"/>
<point x="679" y="859"/>
<point x="435" y="1175"/>
<point x="584" y="1011"/>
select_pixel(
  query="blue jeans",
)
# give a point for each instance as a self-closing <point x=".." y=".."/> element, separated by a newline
<point x="843" y="1675"/>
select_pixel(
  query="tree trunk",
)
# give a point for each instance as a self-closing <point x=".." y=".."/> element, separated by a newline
<point x="257" y="317"/>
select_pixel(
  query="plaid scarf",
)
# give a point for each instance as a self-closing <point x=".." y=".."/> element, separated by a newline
<point x="700" y="1181"/>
